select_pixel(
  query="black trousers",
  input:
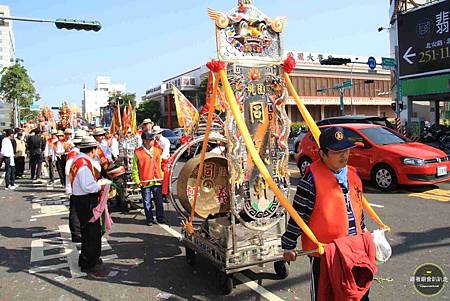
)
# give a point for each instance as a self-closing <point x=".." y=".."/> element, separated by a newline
<point x="91" y="236"/>
<point x="10" y="172"/>
<point x="36" y="165"/>
<point x="74" y="222"/>
<point x="51" y="168"/>
<point x="20" y="165"/>
<point x="315" y="274"/>
<point x="61" y="167"/>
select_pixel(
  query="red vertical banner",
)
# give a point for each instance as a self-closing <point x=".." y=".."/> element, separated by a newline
<point x="169" y="111"/>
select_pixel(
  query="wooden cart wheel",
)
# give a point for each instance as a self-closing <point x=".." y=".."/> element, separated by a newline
<point x="225" y="282"/>
<point x="281" y="269"/>
<point x="191" y="257"/>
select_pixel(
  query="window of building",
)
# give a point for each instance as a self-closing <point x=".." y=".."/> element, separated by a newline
<point x="307" y="86"/>
<point x="3" y="123"/>
<point x="313" y="87"/>
<point x="192" y="81"/>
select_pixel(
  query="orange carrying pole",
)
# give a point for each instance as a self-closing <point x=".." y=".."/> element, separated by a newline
<point x="259" y="163"/>
<point x="316" y="133"/>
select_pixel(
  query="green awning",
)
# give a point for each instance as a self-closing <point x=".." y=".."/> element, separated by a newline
<point x="426" y="85"/>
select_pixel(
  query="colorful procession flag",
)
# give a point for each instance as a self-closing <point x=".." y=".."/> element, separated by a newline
<point x="116" y="122"/>
<point x="187" y="114"/>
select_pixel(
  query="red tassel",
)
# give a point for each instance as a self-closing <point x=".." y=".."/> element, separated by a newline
<point x="289" y="64"/>
<point x="215" y="66"/>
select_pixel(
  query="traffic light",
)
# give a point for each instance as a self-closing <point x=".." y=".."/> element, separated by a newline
<point x="78" y="24"/>
<point x="335" y="61"/>
<point x="394" y="106"/>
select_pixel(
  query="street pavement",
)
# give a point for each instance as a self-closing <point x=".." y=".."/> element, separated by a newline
<point x="39" y="262"/>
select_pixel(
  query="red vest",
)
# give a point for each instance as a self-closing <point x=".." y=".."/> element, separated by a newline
<point x="329" y="220"/>
<point x="149" y="167"/>
<point x="76" y="165"/>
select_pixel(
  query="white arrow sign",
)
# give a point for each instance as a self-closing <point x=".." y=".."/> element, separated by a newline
<point x="407" y="55"/>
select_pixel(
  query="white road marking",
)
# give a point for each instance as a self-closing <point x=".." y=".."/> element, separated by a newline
<point x="44" y="233"/>
<point x="48" y="268"/>
<point x="376" y="205"/>
<point x="50" y="214"/>
<point x="170" y="230"/>
<point x="257" y="288"/>
<point x="2" y="178"/>
<point x="32" y="219"/>
<point x="35" y="206"/>
<point x="72" y="252"/>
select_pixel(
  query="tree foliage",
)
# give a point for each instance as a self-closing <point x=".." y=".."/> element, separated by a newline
<point x="123" y="99"/>
<point x="149" y="109"/>
<point x="16" y="84"/>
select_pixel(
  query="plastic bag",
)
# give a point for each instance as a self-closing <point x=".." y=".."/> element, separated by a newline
<point x="383" y="250"/>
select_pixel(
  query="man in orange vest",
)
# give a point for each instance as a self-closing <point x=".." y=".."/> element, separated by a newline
<point x="147" y="173"/>
<point x="85" y="193"/>
<point x="329" y="200"/>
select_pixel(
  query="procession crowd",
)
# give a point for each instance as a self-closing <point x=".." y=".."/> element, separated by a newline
<point x="87" y="163"/>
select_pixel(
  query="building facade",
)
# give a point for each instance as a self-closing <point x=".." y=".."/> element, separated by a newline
<point x="7" y="58"/>
<point x="420" y="39"/>
<point x="370" y="93"/>
<point x="94" y="100"/>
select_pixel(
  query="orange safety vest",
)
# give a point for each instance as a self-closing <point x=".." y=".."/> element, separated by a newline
<point x="76" y="165"/>
<point x="149" y="167"/>
<point x="329" y="220"/>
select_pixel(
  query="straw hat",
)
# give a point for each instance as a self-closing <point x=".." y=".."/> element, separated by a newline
<point x="147" y="120"/>
<point x="99" y="132"/>
<point x="60" y="133"/>
<point x="68" y="131"/>
<point x="80" y="134"/>
<point x="54" y="131"/>
<point x="87" y="142"/>
<point x="157" y="130"/>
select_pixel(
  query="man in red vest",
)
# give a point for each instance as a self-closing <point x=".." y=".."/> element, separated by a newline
<point x="85" y="193"/>
<point x="147" y="173"/>
<point x="329" y="200"/>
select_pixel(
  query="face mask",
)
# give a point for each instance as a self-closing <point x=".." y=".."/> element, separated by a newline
<point x="341" y="176"/>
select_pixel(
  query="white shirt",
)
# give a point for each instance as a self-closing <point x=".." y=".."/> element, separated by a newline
<point x="60" y="148"/>
<point x="67" y="172"/>
<point x="106" y="150"/>
<point x="84" y="182"/>
<point x="115" y="147"/>
<point x="49" y="151"/>
<point x="165" y="144"/>
<point x="8" y="150"/>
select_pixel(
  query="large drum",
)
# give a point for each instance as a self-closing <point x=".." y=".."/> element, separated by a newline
<point x="214" y="189"/>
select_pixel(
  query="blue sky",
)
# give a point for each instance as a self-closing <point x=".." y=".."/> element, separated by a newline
<point x="143" y="42"/>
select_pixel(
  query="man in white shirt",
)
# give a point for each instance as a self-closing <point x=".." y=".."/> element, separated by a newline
<point x="8" y="158"/>
<point x="74" y="223"/>
<point x="162" y="141"/>
<point x="50" y="155"/>
<point x="60" y="157"/>
<point x="85" y="193"/>
<point x="115" y="146"/>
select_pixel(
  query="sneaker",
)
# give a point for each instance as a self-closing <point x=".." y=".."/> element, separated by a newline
<point x="12" y="187"/>
<point x="7" y="188"/>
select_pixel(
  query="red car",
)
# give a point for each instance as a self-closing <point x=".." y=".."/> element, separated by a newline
<point x="384" y="157"/>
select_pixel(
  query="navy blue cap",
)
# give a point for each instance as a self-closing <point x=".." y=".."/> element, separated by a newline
<point x="147" y="135"/>
<point x="333" y="138"/>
